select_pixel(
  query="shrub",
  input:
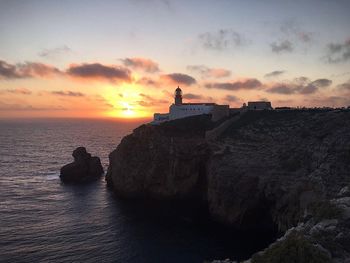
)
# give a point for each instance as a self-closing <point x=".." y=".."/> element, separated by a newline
<point x="325" y="210"/>
<point x="294" y="249"/>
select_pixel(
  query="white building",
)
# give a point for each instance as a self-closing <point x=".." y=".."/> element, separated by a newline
<point x="180" y="110"/>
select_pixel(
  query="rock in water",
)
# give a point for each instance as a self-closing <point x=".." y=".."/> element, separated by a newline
<point x="84" y="168"/>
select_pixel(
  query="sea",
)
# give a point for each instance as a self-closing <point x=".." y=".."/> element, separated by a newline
<point x="44" y="220"/>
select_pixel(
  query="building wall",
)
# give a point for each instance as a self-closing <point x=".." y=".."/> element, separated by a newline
<point x="259" y="105"/>
<point x="160" y="117"/>
<point x="220" y="111"/>
<point x="182" y="111"/>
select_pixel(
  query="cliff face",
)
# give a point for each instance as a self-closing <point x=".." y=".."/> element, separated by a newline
<point x="269" y="171"/>
<point x="276" y="164"/>
<point x="161" y="162"/>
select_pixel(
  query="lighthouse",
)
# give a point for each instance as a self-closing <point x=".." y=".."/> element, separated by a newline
<point x="179" y="110"/>
<point x="178" y="96"/>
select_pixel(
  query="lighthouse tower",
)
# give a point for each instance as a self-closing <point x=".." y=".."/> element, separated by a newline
<point x="179" y="110"/>
<point x="178" y="96"/>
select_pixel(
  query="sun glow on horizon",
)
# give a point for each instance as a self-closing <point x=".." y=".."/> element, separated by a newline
<point x="125" y="102"/>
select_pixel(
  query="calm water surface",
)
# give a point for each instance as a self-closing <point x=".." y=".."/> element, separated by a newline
<point x="42" y="220"/>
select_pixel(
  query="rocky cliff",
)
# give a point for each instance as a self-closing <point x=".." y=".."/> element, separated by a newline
<point x="270" y="170"/>
<point x="169" y="161"/>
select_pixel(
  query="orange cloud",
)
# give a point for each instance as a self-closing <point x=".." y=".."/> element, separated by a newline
<point x="218" y="73"/>
<point x="150" y="101"/>
<point x="33" y="69"/>
<point x="178" y="79"/>
<point x="67" y="93"/>
<point x="148" y="82"/>
<point x="248" y="84"/>
<point x="144" y="64"/>
<point x="26" y="70"/>
<point x="99" y="71"/>
<point x="21" y="91"/>
<point x="206" y="72"/>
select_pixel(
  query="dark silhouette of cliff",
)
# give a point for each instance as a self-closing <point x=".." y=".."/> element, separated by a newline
<point x="285" y="171"/>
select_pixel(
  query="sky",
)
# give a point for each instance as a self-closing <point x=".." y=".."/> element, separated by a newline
<point x="124" y="59"/>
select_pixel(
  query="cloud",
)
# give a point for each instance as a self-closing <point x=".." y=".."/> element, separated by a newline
<point x="209" y="72"/>
<point x="8" y="71"/>
<point x="321" y="83"/>
<point x="53" y="52"/>
<point x="231" y="98"/>
<point x="247" y="84"/>
<point x="305" y="36"/>
<point x="282" y="46"/>
<point x="163" y="3"/>
<point x="191" y="96"/>
<point x="22" y="107"/>
<point x="146" y="96"/>
<point x="275" y="73"/>
<point x="88" y="71"/>
<point x="282" y="89"/>
<point x="149" y="101"/>
<point x="344" y="86"/>
<point x="26" y="70"/>
<point x="222" y="39"/>
<point x="145" y="103"/>
<point x="338" y="52"/>
<point x="179" y="79"/>
<point x="290" y="28"/>
<point x="308" y="89"/>
<point x="300" y="85"/>
<point x="144" y="64"/>
<point x="99" y="71"/>
<point x="102" y="102"/>
<point x="21" y="91"/>
<point x="291" y="36"/>
<point x="34" y="69"/>
<point x="67" y="93"/>
<point x="145" y="81"/>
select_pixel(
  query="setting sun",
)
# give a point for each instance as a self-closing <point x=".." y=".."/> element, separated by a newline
<point x="127" y="110"/>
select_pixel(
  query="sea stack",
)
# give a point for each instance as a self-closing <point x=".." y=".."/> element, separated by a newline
<point x="84" y="168"/>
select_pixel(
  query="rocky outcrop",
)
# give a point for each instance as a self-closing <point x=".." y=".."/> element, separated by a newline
<point x="160" y="162"/>
<point x="84" y="168"/>
<point x="325" y="237"/>
<point x="270" y="170"/>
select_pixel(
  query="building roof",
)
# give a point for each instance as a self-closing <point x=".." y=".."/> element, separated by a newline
<point x="200" y="103"/>
<point x="258" y="102"/>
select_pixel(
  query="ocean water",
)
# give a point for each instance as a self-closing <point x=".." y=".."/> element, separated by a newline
<point x="43" y="220"/>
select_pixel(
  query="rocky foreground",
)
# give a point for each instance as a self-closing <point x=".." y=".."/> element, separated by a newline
<point x="284" y="171"/>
